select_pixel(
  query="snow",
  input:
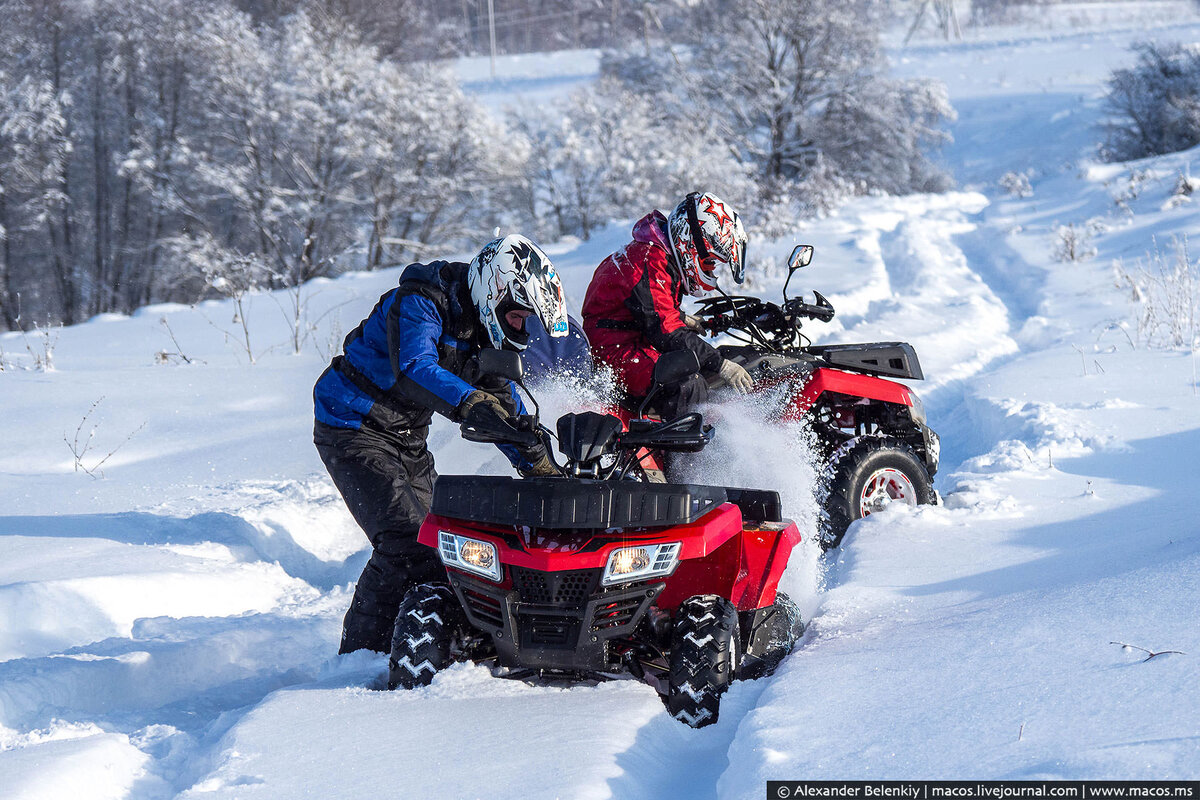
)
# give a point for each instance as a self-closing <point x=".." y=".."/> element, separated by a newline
<point x="103" y="765"/>
<point x="171" y="622"/>
<point x="527" y="81"/>
<point x="982" y="632"/>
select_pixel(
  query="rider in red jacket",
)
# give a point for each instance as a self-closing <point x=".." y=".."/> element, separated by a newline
<point x="632" y="312"/>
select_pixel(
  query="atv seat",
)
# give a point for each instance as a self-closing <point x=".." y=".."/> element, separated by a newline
<point x="757" y="505"/>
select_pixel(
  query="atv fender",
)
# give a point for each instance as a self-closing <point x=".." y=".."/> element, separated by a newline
<point x="765" y="551"/>
<point x="745" y="569"/>
<point x="848" y="383"/>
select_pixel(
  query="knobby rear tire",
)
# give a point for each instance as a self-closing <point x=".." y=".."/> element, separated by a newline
<point x="851" y="467"/>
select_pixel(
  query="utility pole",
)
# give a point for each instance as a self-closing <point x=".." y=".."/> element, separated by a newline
<point x="492" y="34"/>
<point x="947" y="19"/>
<point x="646" y="26"/>
<point x="467" y="24"/>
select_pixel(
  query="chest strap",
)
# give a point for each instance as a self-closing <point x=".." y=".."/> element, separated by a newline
<point x="362" y="382"/>
<point x="618" y="325"/>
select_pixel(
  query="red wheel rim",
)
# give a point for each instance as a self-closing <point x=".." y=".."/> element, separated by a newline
<point x="885" y="486"/>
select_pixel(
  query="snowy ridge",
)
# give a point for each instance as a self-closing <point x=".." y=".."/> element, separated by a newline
<point x="170" y="628"/>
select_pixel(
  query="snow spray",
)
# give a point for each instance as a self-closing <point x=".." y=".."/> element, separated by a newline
<point x="753" y="448"/>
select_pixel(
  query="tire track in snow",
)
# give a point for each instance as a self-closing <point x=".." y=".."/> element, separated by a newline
<point x="932" y="296"/>
<point x="164" y="629"/>
<point x="926" y="292"/>
<point x="175" y="685"/>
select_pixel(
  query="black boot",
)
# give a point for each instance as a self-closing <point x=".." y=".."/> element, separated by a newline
<point x="362" y="631"/>
<point x="372" y="615"/>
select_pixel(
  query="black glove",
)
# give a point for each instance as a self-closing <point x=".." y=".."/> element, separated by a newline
<point x="483" y="410"/>
<point x="540" y="463"/>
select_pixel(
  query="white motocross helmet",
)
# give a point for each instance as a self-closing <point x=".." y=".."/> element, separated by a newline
<point x="511" y="274"/>
<point x="706" y="232"/>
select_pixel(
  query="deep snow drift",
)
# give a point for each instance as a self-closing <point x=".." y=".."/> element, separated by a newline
<point x="169" y="625"/>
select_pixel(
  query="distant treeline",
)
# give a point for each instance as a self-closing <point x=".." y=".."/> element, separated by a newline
<point x="156" y="150"/>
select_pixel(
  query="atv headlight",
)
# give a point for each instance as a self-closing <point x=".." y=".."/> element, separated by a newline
<point x="471" y="555"/>
<point x="917" y="409"/>
<point x="638" y="563"/>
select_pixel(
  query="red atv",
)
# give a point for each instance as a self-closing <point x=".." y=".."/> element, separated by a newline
<point x="601" y="572"/>
<point x="873" y="442"/>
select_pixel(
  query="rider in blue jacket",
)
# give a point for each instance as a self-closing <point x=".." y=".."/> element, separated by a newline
<point x="414" y="356"/>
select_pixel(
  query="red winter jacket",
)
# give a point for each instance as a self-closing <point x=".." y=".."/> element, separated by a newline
<point x="631" y="311"/>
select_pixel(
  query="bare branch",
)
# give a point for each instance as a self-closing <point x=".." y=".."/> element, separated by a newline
<point x="1152" y="654"/>
<point x="80" y="450"/>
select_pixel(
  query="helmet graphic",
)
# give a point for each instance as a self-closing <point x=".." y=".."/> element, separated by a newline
<point x="513" y="274"/>
<point x="705" y="232"/>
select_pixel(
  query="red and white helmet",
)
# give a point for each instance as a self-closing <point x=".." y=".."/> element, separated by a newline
<point x="705" y="232"/>
<point x="513" y="274"/>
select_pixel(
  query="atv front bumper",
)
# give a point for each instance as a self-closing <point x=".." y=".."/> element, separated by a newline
<point x="933" y="449"/>
<point x="554" y="620"/>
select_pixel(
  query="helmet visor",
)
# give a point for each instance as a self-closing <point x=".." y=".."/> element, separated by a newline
<point x="737" y="262"/>
<point x="551" y="304"/>
<point x="738" y="266"/>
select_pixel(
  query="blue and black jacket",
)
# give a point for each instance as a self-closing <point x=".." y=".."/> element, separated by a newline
<point x="412" y="356"/>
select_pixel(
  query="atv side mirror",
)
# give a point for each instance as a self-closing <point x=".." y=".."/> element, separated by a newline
<point x="801" y="257"/>
<point x="502" y="364"/>
<point x="508" y="365"/>
<point x="671" y="368"/>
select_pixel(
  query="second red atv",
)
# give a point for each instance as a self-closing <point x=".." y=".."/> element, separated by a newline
<point x="873" y="443"/>
<point x="601" y="572"/>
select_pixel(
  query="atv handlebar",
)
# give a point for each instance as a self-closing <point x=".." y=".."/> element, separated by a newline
<point x="521" y="430"/>
<point x="684" y="434"/>
<point x="586" y="438"/>
<point x="822" y="310"/>
<point x="763" y="323"/>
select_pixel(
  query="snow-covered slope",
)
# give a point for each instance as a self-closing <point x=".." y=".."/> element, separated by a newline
<point x="169" y="625"/>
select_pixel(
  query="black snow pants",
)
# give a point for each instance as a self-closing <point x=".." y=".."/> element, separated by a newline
<point x="386" y="480"/>
<point x="677" y="399"/>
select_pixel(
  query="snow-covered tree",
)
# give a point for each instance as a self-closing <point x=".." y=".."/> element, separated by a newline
<point x="613" y="152"/>
<point x="274" y="166"/>
<point x="805" y="80"/>
<point x="879" y="136"/>
<point x="436" y="167"/>
<point x="33" y="154"/>
<point x="1154" y="105"/>
<point x="410" y="30"/>
<point x="118" y="72"/>
<point x="798" y="90"/>
<point x="38" y="149"/>
<point x="588" y="160"/>
<point x="311" y="134"/>
<point x="159" y="50"/>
